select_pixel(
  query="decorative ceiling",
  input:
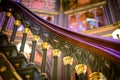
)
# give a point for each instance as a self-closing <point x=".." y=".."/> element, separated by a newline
<point x="73" y="4"/>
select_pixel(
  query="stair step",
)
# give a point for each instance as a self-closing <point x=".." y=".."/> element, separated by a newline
<point x="19" y="61"/>
<point x="7" y="71"/>
<point x="29" y="73"/>
<point x="9" y="50"/>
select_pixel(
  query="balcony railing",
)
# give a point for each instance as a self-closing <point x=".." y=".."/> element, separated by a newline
<point x="85" y="53"/>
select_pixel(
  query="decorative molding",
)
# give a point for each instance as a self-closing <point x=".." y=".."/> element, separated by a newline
<point x="84" y="8"/>
<point x="44" y="12"/>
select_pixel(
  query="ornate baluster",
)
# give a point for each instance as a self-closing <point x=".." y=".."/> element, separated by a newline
<point x="8" y="15"/>
<point x="67" y="62"/>
<point x="43" y="75"/>
<point x="81" y="71"/>
<point x="34" y="43"/>
<point x="56" y="54"/>
<point x="16" y="25"/>
<point x="97" y="76"/>
<point x="44" y="49"/>
<point x="26" y="31"/>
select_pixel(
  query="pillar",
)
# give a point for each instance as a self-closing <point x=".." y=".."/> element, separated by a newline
<point x="116" y="9"/>
<point x="111" y="9"/>
<point x="67" y="62"/>
<point x="2" y="19"/>
<point x="65" y="20"/>
<point x="61" y="19"/>
<point x="44" y="49"/>
<point x="16" y="25"/>
<point x="8" y="15"/>
<point x="26" y="31"/>
<point x="97" y="76"/>
<point x="96" y="18"/>
<point x="56" y="54"/>
<point x="34" y="43"/>
<point x="81" y="70"/>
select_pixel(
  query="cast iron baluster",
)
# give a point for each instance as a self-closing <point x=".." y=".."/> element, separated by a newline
<point x="81" y="71"/>
<point x="26" y="31"/>
<point x="56" y="54"/>
<point x="44" y="49"/>
<point x="34" y="43"/>
<point x="16" y="25"/>
<point x="8" y="15"/>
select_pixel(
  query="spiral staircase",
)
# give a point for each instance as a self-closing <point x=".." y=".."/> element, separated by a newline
<point x="76" y="56"/>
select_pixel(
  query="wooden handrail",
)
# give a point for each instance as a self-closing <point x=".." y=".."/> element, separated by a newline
<point x="105" y="47"/>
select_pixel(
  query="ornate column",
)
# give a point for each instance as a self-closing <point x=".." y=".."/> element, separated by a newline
<point x="97" y="76"/>
<point x="17" y="24"/>
<point x="8" y="15"/>
<point x="56" y="54"/>
<point x="26" y="31"/>
<point x="61" y="19"/>
<point x="44" y="49"/>
<point x="106" y="15"/>
<point x="67" y="62"/>
<point x="77" y="21"/>
<point x="34" y="43"/>
<point x="57" y="5"/>
<point x="69" y="17"/>
<point x="66" y="20"/>
<point x="2" y="19"/>
<point x="81" y="70"/>
<point x="116" y="9"/>
<point x="111" y="9"/>
<point x="96" y="18"/>
<point x="30" y="3"/>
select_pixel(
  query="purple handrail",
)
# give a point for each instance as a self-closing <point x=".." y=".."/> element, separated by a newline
<point x="105" y="47"/>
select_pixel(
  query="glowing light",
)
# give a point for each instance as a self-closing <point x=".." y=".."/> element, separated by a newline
<point x="27" y="48"/>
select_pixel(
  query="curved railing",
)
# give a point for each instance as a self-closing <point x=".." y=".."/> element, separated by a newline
<point x="108" y="48"/>
<point x="67" y="41"/>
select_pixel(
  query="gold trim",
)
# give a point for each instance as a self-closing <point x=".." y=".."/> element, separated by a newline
<point x="67" y="60"/>
<point x="8" y="14"/>
<point x="92" y="6"/>
<point x="100" y="29"/>
<point x="17" y="64"/>
<point x="61" y="6"/>
<point x="11" y="67"/>
<point x="26" y="30"/>
<point x="7" y="53"/>
<point x="28" y="77"/>
<point x="44" y="45"/>
<point x="44" y="74"/>
<point x="97" y="76"/>
<point x="3" y="69"/>
<point x="35" y="38"/>
<point x="17" y="75"/>
<point x="81" y="68"/>
<point x="55" y="53"/>
<point x="17" y="23"/>
<point x="96" y="29"/>
<point x="31" y="63"/>
<point x="45" y="12"/>
<point x="107" y="35"/>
